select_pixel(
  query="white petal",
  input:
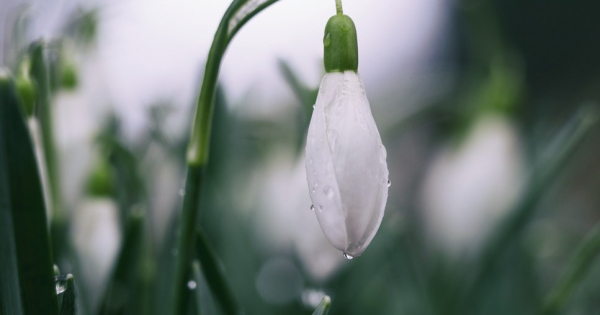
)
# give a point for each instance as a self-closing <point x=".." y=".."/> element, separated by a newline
<point x="345" y="163"/>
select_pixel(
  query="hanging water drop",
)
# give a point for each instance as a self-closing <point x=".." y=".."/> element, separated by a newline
<point x="348" y="256"/>
<point x="191" y="285"/>
<point x="312" y="208"/>
<point x="389" y="183"/>
<point x="182" y="192"/>
<point x="60" y="285"/>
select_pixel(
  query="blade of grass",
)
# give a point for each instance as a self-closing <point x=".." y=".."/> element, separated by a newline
<point x="120" y="295"/>
<point x="323" y="307"/>
<point x="69" y="299"/>
<point x="10" y="300"/>
<point x="215" y="275"/>
<point x="567" y="142"/>
<point x="34" y="255"/>
<point x="40" y="73"/>
<point x="579" y="264"/>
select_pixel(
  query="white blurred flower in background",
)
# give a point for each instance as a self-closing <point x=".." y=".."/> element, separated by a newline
<point x="287" y="222"/>
<point x="97" y="236"/>
<point x="471" y="186"/>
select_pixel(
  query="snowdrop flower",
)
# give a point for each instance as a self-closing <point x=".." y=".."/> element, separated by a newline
<point x="345" y="161"/>
<point x="471" y="187"/>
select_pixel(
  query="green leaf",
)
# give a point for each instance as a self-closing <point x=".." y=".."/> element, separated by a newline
<point x="122" y="290"/>
<point x="69" y="299"/>
<point x="578" y="266"/>
<point x="22" y="196"/>
<point x="215" y="275"/>
<point x="323" y="308"/>
<point x="10" y="300"/>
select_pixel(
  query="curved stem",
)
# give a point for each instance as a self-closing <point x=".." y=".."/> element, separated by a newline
<point x="198" y="150"/>
<point x="338" y="7"/>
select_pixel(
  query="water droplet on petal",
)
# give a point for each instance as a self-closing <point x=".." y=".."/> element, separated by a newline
<point x="182" y="192"/>
<point x="348" y="256"/>
<point x="328" y="192"/>
<point x="389" y="183"/>
<point x="321" y="208"/>
<point x="312" y="208"/>
<point x="191" y="285"/>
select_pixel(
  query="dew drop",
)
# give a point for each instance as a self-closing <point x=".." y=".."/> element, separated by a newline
<point x="389" y="183"/>
<point x="328" y="192"/>
<point x="312" y="208"/>
<point x="347" y="256"/>
<point x="327" y="40"/>
<point x="61" y="286"/>
<point x="182" y="192"/>
<point x="191" y="285"/>
<point x="321" y="208"/>
<point x="314" y="106"/>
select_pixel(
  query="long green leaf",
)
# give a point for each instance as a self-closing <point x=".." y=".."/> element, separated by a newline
<point x="578" y="266"/>
<point x="323" y="307"/>
<point x="10" y="300"/>
<point x="121" y="292"/>
<point x="565" y="145"/>
<point x="215" y="275"/>
<point x="26" y="201"/>
<point x="69" y="299"/>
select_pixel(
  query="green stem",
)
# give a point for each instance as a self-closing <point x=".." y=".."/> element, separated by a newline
<point x="39" y="69"/>
<point x="338" y="7"/>
<point x="578" y="266"/>
<point x="198" y="149"/>
<point x="215" y="275"/>
<point x="186" y="236"/>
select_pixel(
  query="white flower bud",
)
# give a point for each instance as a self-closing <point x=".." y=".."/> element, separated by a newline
<point x="346" y="164"/>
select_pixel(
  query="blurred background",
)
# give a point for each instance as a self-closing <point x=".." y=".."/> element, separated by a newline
<point x="473" y="99"/>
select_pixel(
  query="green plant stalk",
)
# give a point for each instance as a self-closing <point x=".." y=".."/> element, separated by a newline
<point x="69" y="300"/>
<point x="338" y="7"/>
<point x="541" y="180"/>
<point x="59" y="229"/>
<point x="578" y="266"/>
<point x="39" y="70"/>
<point x="197" y="153"/>
<point x="26" y="202"/>
<point x="215" y="275"/>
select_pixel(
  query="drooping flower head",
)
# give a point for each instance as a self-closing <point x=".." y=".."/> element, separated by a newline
<point x="345" y="160"/>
